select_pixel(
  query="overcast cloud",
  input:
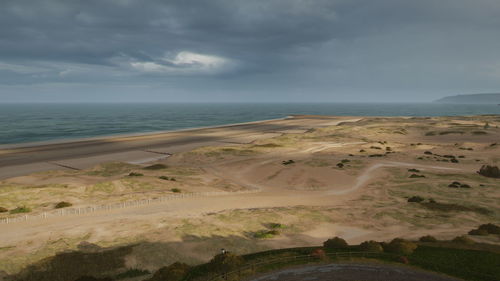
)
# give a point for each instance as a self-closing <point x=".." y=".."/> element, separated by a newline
<point x="232" y="50"/>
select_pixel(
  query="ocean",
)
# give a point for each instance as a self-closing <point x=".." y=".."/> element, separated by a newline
<point x="22" y="123"/>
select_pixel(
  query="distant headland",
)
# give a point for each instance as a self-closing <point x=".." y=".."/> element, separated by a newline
<point x="492" y="98"/>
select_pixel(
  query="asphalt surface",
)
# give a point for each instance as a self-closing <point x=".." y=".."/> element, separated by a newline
<point x="353" y="272"/>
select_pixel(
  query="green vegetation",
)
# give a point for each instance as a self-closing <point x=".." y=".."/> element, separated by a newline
<point x="371" y="246"/>
<point x="3" y="210"/>
<point x="287" y="162"/>
<point x="335" y="243"/>
<point x="167" y="178"/>
<point x="427" y="238"/>
<point x="134" y="272"/>
<point x="486" y="229"/>
<point x="134" y="174"/>
<point x="22" y="209"/>
<point x="400" y="246"/>
<point x="63" y="204"/>
<point x="111" y="169"/>
<point x="174" y="272"/>
<point x="449" y="207"/>
<point x="156" y="167"/>
<point x="175" y="190"/>
<point x="265" y="234"/>
<point x="462" y="240"/>
<point x="415" y="199"/>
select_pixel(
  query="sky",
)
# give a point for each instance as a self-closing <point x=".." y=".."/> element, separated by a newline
<point x="247" y="51"/>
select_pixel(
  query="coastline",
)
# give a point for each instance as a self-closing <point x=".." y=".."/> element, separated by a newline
<point x="22" y="159"/>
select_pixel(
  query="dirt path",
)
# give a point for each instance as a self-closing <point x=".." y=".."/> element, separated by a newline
<point x="187" y="207"/>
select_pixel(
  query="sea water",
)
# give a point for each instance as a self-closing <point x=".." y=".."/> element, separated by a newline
<point x="21" y="123"/>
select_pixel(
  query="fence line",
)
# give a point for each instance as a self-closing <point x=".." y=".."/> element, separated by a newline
<point x="120" y="205"/>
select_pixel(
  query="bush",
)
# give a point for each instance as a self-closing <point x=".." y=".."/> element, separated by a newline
<point x="335" y="243"/>
<point x="174" y="272"/>
<point x="490" y="228"/>
<point x="489" y="171"/>
<point x="345" y="161"/>
<point x="275" y="225"/>
<point x="156" y="167"/>
<point x="288" y="162"/>
<point x="427" y="238"/>
<point x="263" y="234"/>
<point x="400" y="246"/>
<point x="481" y="232"/>
<point x="371" y="246"/>
<point x="414" y="170"/>
<point x="416" y="199"/>
<point x="3" y="210"/>
<point x="22" y="209"/>
<point x="91" y="278"/>
<point x="412" y="176"/>
<point x="340" y="165"/>
<point x="175" y="190"/>
<point x="63" y="204"/>
<point x="462" y="240"/>
<point x="133" y="174"/>
<point x="164" y="178"/>
<point x="225" y="262"/>
<point x="134" y="272"/>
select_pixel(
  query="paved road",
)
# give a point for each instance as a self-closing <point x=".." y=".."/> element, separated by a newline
<point x="353" y="272"/>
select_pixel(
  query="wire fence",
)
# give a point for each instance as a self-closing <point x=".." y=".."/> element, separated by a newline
<point x="114" y="206"/>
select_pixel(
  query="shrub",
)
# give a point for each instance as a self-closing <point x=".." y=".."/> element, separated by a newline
<point x="428" y="152"/>
<point x="133" y="174"/>
<point x="375" y="147"/>
<point x="371" y="246"/>
<point x="416" y="199"/>
<point x="275" y="225"/>
<point x="174" y="272"/>
<point x="362" y="150"/>
<point x="345" y="161"/>
<point x="156" y="167"/>
<point x="427" y="238"/>
<point x="63" y="204"/>
<point x="340" y="165"/>
<point x="400" y="246"/>
<point x="416" y="176"/>
<point x="288" y="162"/>
<point x="22" y="209"/>
<point x="264" y="234"/>
<point x="225" y="262"/>
<point x="3" y="210"/>
<point x="175" y="190"/>
<point x="482" y="232"/>
<point x="490" y="228"/>
<point x="133" y="272"/>
<point x="489" y="171"/>
<point x="164" y="178"/>
<point x="335" y="243"/>
<point x="462" y="240"/>
<point x="414" y="170"/>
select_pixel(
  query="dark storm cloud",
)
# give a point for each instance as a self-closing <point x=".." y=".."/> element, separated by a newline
<point x="240" y="50"/>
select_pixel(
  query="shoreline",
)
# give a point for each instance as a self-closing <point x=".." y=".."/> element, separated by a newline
<point x="35" y="144"/>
